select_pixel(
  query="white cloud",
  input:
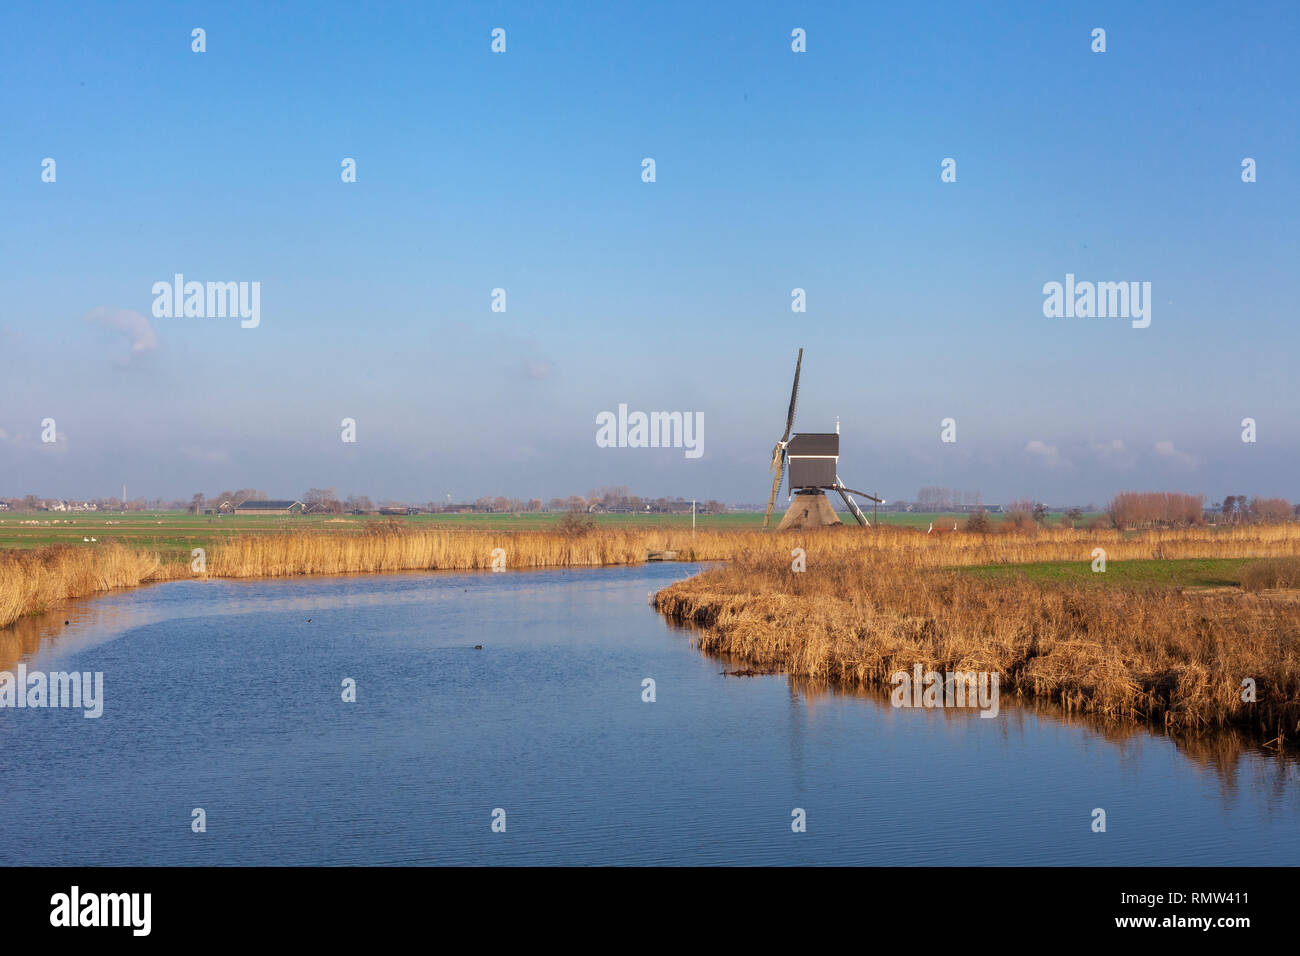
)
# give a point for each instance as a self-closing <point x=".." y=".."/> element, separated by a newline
<point x="1167" y="451"/>
<point x="131" y="324"/>
<point x="1049" y="455"/>
<point x="1113" y="453"/>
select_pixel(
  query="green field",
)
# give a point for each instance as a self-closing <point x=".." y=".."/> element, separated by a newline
<point x="1182" y="572"/>
<point x="946" y="519"/>
<point x="179" y="530"/>
<point x="176" y="532"/>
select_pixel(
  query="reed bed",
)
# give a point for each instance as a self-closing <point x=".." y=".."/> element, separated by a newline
<point x="961" y="548"/>
<point x="1166" y="655"/>
<point x="34" y="581"/>
<point x="387" y="550"/>
<point x="1273" y="573"/>
<point x="399" y="549"/>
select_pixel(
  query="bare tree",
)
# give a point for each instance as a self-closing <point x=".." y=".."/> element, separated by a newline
<point x="1271" y="510"/>
<point x="323" y="500"/>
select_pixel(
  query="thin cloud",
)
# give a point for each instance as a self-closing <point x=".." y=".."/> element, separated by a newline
<point x="1167" y="451"/>
<point x="1113" y="453"/>
<point x="1049" y="455"/>
<point x="131" y="324"/>
<point x="206" y="456"/>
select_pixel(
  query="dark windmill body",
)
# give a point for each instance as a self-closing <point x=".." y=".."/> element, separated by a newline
<point x="813" y="459"/>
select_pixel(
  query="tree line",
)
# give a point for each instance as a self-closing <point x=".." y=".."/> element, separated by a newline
<point x="1158" y="509"/>
<point x="611" y="499"/>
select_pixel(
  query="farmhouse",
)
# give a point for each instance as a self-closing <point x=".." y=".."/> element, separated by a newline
<point x="276" y="507"/>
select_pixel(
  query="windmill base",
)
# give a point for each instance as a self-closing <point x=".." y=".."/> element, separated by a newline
<point x="809" y="510"/>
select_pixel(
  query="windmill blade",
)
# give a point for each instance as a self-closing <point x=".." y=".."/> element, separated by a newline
<point x="794" y="397"/>
<point x="776" y="486"/>
<point x="778" y="453"/>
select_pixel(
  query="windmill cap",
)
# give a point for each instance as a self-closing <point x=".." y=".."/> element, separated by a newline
<point x="814" y="443"/>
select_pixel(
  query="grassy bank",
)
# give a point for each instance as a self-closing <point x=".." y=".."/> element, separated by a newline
<point x="174" y="533"/>
<point x="870" y="602"/>
<point x="1131" y="650"/>
<point x="34" y="579"/>
<point x="1179" y="572"/>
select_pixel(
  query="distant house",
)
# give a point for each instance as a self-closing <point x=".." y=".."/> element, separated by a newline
<point x="276" y="507"/>
<point x="4" y="506"/>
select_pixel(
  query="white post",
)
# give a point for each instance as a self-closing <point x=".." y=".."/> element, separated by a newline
<point x="692" y="517"/>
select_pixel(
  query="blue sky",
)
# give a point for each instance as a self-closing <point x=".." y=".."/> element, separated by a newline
<point x="522" y="171"/>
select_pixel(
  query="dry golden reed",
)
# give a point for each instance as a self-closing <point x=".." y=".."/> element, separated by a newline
<point x="33" y="581"/>
<point x="1168" y="655"/>
<point x="1271" y="573"/>
<point x="870" y="603"/>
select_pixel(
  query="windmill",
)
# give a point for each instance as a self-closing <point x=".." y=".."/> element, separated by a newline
<point x="813" y="458"/>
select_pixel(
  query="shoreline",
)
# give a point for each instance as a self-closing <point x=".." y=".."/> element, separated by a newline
<point x="1171" y="657"/>
<point x="869" y="604"/>
<point x="37" y="580"/>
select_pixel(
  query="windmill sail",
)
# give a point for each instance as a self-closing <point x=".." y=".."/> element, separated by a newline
<point x="778" y="453"/>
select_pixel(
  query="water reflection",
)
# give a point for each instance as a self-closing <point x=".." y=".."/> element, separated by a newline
<point x="225" y="695"/>
<point x="1228" y="753"/>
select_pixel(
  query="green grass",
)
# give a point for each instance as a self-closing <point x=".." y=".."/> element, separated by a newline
<point x="737" y="521"/>
<point x="1183" y="572"/>
<point x="177" y="531"/>
<point x="946" y="519"/>
<point x="174" y="533"/>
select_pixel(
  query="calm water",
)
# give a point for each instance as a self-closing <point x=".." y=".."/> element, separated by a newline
<point x="221" y="695"/>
